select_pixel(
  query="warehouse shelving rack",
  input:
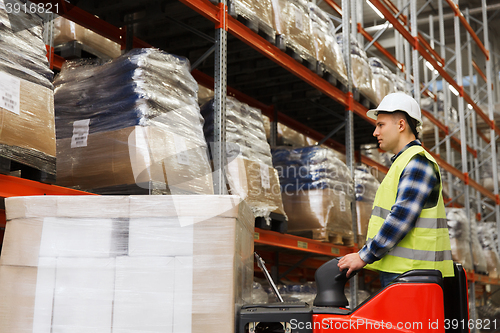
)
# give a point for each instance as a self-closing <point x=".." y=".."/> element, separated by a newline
<point x="470" y="150"/>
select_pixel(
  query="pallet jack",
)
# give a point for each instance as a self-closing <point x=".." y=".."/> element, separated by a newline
<point x="416" y="301"/>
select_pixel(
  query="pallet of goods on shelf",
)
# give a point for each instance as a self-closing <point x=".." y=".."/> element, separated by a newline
<point x="328" y="52"/>
<point x="66" y="31"/>
<point x="293" y="26"/>
<point x="462" y="241"/>
<point x="27" y="134"/>
<point x="362" y="76"/>
<point x="250" y="173"/>
<point x="382" y="80"/>
<point x="258" y="15"/>
<point x="366" y="186"/>
<point x="287" y="136"/>
<point x="131" y="125"/>
<point x="487" y="232"/>
<point x="317" y="192"/>
<point x="128" y="264"/>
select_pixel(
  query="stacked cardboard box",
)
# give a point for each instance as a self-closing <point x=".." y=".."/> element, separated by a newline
<point x="133" y="121"/>
<point x="26" y="93"/>
<point x="382" y="80"/>
<point x="328" y="52"/>
<point x="129" y="264"/>
<point x="250" y="173"/>
<point x="317" y="192"/>
<point x="66" y="31"/>
<point x="293" y="24"/>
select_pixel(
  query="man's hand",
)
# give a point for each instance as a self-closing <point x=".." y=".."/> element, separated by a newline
<point x="352" y="262"/>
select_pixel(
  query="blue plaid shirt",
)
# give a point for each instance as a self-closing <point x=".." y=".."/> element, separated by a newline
<point x="418" y="188"/>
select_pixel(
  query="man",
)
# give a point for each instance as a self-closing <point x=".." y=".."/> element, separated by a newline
<point x="407" y="228"/>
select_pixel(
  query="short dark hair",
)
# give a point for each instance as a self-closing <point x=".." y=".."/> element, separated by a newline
<point x="403" y="114"/>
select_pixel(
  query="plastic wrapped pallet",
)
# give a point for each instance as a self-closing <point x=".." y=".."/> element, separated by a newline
<point x="383" y="83"/>
<point x="362" y="76"/>
<point x="317" y="192"/>
<point x="487" y="174"/>
<point x="399" y="83"/>
<point x="294" y="26"/>
<point x="250" y="173"/>
<point x="366" y="186"/>
<point x="27" y="133"/>
<point x="487" y="232"/>
<point x="133" y="121"/>
<point x="461" y="240"/>
<point x="144" y="264"/>
<point x="328" y="52"/>
<point x="66" y="31"/>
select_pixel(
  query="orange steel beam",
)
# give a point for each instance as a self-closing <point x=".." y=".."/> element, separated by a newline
<point x="335" y="6"/>
<point x="291" y="242"/>
<point x="481" y="134"/>
<point x="404" y="20"/>
<point x="436" y="122"/>
<point x="372" y="163"/>
<point x="13" y="186"/>
<point x="480" y="72"/>
<point x="467" y="26"/>
<point x="380" y="48"/>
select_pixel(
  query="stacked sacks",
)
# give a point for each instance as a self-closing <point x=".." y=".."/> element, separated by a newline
<point x="366" y="188"/>
<point x="328" y="52"/>
<point x="250" y="173"/>
<point x="27" y="133"/>
<point x="487" y="232"/>
<point x="362" y="76"/>
<point x="294" y="26"/>
<point x="317" y="192"/>
<point x="382" y="80"/>
<point x="133" y="121"/>
<point x="462" y="240"/>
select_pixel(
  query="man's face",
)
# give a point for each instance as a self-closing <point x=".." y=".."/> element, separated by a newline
<point x="387" y="132"/>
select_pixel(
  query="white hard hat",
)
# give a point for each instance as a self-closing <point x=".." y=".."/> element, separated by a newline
<point x="398" y="102"/>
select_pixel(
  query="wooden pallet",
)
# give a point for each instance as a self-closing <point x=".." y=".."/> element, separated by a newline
<point x="27" y="164"/>
<point x="327" y="237"/>
<point x="277" y="223"/>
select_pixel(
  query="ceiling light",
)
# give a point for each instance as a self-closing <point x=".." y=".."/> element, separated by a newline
<point x="453" y="90"/>
<point x="375" y="9"/>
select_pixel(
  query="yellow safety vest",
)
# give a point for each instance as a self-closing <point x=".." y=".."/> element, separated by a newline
<point x="427" y="245"/>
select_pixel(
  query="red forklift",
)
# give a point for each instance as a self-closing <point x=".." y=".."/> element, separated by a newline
<point x="416" y="301"/>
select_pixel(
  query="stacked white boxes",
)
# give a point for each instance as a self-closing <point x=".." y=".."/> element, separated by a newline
<point x="129" y="264"/>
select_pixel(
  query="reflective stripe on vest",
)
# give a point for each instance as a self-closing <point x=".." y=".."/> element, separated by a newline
<point x="403" y="252"/>
<point x="422" y="222"/>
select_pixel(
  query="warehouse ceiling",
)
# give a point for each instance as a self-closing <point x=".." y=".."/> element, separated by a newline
<point x="173" y="27"/>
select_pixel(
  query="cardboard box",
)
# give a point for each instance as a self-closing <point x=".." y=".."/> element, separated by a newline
<point x="66" y="31"/>
<point x="28" y="120"/>
<point x="258" y="184"/>
<point x="319" y="210"/>
<point x="84" y="284"/>
<point x="134" y="155"/>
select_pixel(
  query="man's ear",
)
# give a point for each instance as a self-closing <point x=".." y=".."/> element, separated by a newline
<point x="401" y="125"/>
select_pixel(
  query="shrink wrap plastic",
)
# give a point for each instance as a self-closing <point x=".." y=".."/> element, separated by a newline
<point x="129" y="264"/>
<point x="487" y="232"/>
<point x="26" y="93"/>
<point x="259" y="12"/>
<point x="317" y="190"/>
<point x="362" y="76"/>
<point x="327" y="50"/>
<point x="461" y="239"/>
<point x="249" y="171"/>
<point x="132" y="120"/>
<point x="66" y="31"/>
<point x="383" y="83"/>
<point x="293" y="23"/>
<point x="399" y="83"/>
<point x="366" y="188"/>
<point x="487" y="174"/>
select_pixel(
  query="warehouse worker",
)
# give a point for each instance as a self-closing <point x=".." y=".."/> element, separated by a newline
<point x="407" y="228"/>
